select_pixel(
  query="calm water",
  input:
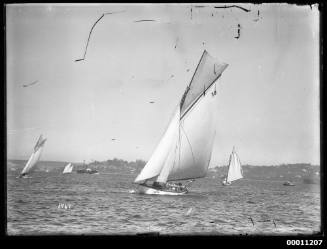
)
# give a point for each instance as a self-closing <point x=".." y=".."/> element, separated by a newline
<point x="105" y="204"/>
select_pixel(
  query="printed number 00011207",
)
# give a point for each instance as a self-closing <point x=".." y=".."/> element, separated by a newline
<point x="304" y="242"/>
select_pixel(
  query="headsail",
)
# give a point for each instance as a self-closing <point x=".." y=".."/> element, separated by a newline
<point x="34" y="158"/>
<point x="234" y="167"/>
<point x="184" y="151"/>
<point x="68" y="168"/>
<point x="154" y="165"/>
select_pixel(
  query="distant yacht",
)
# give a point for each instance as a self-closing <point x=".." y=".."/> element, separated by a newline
<point x="288" y="183"/>
<point x="86" y="170"/>
<point x="32" y="161"/>
<point x="68" y="168"/>
<point x="235" y="171"/>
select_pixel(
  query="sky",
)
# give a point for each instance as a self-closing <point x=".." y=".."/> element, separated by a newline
<point x="268" y="97"/>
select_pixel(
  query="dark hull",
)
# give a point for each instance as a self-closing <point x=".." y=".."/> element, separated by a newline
<point x="84" y="171"/>
<point x="162" y="190"/>
<point x="288" y="184"/>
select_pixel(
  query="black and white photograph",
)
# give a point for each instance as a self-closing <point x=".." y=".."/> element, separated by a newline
<point x="163" y="119"/>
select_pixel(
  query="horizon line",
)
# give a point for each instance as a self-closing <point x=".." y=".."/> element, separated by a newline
<point x="246" y="164"/>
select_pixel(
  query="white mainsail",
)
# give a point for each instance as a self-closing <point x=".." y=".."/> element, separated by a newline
<point x="34" y="158"/>
<point x="68" y="168"/>
<point x="184" y="151"/>
<point x="234" y="168"/>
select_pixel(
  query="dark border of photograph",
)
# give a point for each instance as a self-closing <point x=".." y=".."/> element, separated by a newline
<point x="154" y="238"/>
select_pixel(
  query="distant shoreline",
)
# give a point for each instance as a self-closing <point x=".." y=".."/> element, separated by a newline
<point x="142" y="163"/>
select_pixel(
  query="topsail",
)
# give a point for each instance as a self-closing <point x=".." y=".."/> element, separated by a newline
<point x="184" y="152"/>
<point x="34" y="158"/>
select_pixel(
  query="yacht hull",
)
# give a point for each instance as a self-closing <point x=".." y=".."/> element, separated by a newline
<point x="152" y="191"/>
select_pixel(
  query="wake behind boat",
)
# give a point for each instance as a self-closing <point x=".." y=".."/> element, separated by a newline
<point x="234" y="169"/>
<point x="34" y="158"/>
<point x="184" y="151"/>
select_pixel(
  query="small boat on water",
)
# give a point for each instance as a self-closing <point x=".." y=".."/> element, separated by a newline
<point x="68" y="168"/>
<point x="288" y="183"/>
<point x="235" y="171"/>
<point x="184" y="151"/>
<point x="87" y="171"/>
<point x="34" y="158"/>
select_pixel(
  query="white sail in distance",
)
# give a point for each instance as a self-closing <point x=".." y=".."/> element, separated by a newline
<point x="234" y="167"/>
<point x="184" y="151"/>
<point x="34" y="158"/>
<point x="68" y="168"/>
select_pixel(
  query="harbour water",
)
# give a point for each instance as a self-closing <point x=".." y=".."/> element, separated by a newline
<point x="106" y="203"/>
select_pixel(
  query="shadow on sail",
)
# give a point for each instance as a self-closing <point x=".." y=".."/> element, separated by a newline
<point x="184" y="151"/>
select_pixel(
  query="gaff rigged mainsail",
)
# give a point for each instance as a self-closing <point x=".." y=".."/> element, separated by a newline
<point x="184" y="151"/>
<point x="34" y="158"/>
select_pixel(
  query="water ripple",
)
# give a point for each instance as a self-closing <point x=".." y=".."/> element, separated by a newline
<point x="105" y="204"/>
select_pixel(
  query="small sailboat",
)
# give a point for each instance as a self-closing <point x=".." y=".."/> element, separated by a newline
<point x="34" y="158"/>
<point x="234" y="169"/>
<point x="86" y="170"/>
<point x="184" y="151"/>
<point x="288" y="183"/>
<point x="68" y="168"/>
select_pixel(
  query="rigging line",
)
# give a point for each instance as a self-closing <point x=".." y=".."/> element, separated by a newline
<point x="196" y="100"/>
<point x="174" y="158"/>
<point x="179" y="148"/>
<point x="189" y="144"/>
<point x="179" y="143"/>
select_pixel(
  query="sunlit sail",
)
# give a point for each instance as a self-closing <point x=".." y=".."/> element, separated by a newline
<point x="68" y="168"/>
<point x="34" y="158"/>
<point x="184" y="151"/>
<point x="234" y="169"/>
